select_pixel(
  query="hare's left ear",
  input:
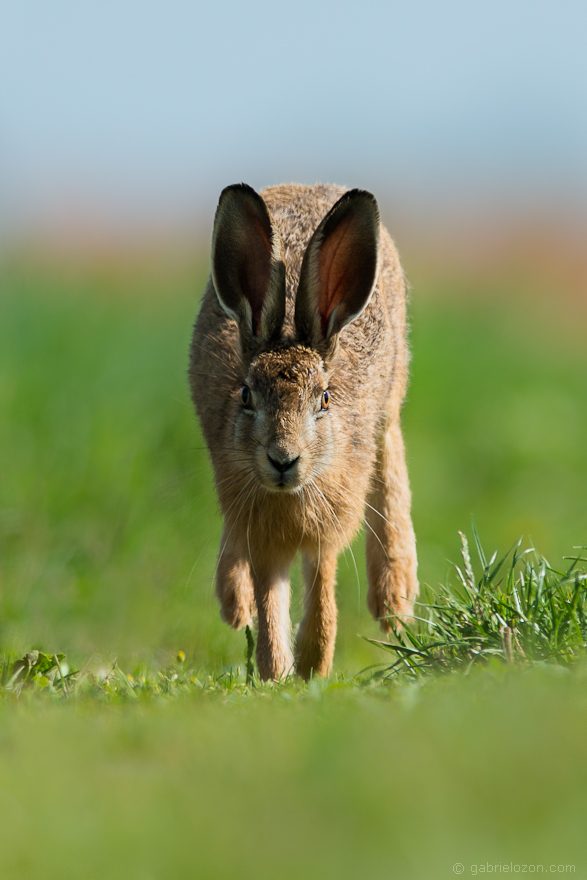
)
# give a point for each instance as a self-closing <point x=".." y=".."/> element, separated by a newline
<point x="339" y="270"/>
<point x="247" y="266"/>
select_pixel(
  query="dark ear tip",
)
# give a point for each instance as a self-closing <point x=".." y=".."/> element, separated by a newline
<point x="238" y="190"/>
<point x="356" y="196"/>
<point x="360" y="193"/>
<point x="357" y="202"/>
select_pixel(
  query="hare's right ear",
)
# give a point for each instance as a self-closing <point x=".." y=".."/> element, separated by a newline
<point x="247" y="265"/>
<point x="339" y="270"/>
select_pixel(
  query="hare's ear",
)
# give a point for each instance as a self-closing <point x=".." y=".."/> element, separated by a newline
<point x="247" y="265"/>
<point x="339" y="270"/>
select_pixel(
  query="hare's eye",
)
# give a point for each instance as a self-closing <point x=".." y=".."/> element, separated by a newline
<point x="325" y="399"/>
<point x="246" y="396"/>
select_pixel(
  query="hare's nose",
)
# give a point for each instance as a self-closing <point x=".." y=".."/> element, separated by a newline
<point x="283" y="464"/>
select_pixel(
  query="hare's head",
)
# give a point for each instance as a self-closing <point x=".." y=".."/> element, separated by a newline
<point x="289" y="412"/>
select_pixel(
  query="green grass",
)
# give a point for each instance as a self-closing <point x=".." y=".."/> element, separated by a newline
<point x="333" y="781"/>
<point x="521" y="610"/>
<point x="108" y="538"/>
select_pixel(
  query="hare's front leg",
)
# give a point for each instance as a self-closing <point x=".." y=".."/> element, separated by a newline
<point x="272" y="593"/>
<point x="391" y="544"/>
<point x="234" y="584"/>
<point x="315" y="642"/>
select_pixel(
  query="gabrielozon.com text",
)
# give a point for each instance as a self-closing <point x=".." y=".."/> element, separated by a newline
<point x="513" y="868"/>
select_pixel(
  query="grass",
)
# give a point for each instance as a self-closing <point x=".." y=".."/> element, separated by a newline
<point x="328" y="781"/>
<point x="524" y="611"/>
<point x="150" y="749"/>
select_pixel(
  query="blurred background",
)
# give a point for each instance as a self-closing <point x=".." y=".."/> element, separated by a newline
<point x="119" y="125"/>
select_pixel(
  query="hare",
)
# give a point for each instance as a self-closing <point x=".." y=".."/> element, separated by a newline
<point x="298" y="369"/>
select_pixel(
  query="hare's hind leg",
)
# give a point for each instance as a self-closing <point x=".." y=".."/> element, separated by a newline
<point x="234" y="584"/>
<point x="391" y="544"/>
<point x="315" y="642"/>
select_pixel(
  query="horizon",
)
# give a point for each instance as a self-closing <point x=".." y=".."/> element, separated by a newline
<point x="132" y="118"/>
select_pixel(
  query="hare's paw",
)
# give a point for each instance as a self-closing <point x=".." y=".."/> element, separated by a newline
<point x="391" y="595"/>
<point x="273" y="664"/>
<point x="315" y="648"/>
<point x="234" y="589"/>
<point x="237" y="610"/>
<point x="313" y="660"/>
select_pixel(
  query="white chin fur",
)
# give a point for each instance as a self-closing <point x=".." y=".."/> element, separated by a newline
<point x="283" y="490"/>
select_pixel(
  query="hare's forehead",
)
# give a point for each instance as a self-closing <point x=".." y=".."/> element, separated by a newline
<point x="290" y="371"/>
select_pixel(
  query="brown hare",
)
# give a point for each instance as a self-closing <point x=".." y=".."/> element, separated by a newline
<point x="298" y="369"/>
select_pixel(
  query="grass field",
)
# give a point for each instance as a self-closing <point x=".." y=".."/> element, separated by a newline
<point x="108" y="537"/>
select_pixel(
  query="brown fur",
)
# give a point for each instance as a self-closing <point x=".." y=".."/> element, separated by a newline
<point x="351" y="463"/>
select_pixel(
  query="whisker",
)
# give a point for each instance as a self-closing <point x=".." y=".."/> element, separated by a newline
<point x="249" y="530"/>
<point x="345" y="545"/>
<point x="236" y="500"/>
<point x="201" y="553"/>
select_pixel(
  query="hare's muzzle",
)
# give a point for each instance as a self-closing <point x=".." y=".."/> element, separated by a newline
<point x="283" y="469"/>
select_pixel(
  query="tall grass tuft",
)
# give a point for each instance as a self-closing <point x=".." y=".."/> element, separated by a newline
<point x="519" y="610"/>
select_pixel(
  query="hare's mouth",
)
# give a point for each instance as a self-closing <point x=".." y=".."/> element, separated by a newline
<point x="284" y="489"/>
<point x="282" y="484"/>
<point x="281" y="473"/>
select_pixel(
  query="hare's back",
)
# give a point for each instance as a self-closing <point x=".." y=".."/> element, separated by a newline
<point x="376" y="338"/>
<point x="297" y="211"/>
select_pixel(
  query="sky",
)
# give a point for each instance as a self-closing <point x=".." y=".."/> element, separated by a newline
<point x="140" y="112"/>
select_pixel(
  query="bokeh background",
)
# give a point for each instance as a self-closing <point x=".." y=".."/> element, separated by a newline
<point x="119" y="125"/>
